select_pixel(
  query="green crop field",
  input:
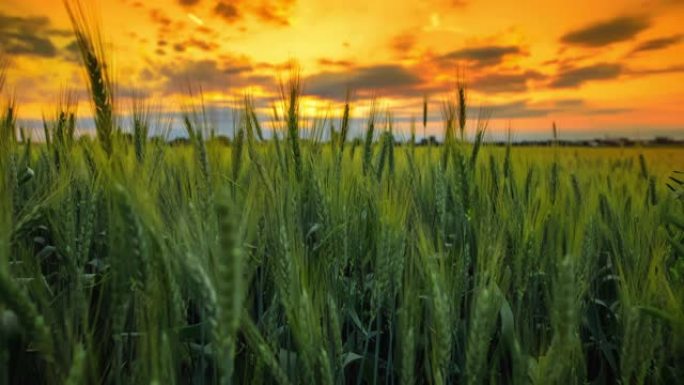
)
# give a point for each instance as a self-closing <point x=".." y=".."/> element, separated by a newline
<point x="298" y="260"/>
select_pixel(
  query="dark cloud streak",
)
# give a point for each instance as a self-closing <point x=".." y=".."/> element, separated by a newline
<point x="575" y="77"/>
<point x="500" y="83"/>
<point x="521" y="109"/>
<point x="656" y="44"/>
<point x="269" y="11"/>
<point x="607" y="32"/>
<point x="656" y="71"/>
<point x="374" y="78"/>
<point x="211" y="75"/>
<point x="227" y="11"/>
<point x="483" y="56"/>
<point x="31" y="36"/>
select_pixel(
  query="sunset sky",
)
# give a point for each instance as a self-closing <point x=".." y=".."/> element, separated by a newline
<point x="596" y="68"/>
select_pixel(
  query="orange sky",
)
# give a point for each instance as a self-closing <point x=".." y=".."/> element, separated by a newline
<point x="612" y="67"/>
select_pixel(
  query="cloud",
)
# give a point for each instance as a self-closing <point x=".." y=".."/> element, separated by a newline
<point x="159" y="17"/>
<point x="568" y="103"/>
<point x="499" y="83"/>
<point x="521" y="109"/>
<point x="605" y="111"/>
<point x="227" y="11"/>
<point x="31" y="36"/>
<point x="130" y="92"/>
<point x="656" y="71"/>
<point x="659" y="43"/>
<point x="580" y="106"/>
<point x="404" y="42"/>
<point x="211" y="75"/>
<point x="374" y="78"/>
<point x="326" y="62"/>
<point x="575" y="77"/>
<point x="274" y="15"/>
<point x="268" y="11"/>
<point x="71" y="52"/>
<point x="517" y="109"/>
<point x="483" y="56"/>
<point x="607" y="32"/>
<point x="439" y="4"/>
<point x="202" y="45"/>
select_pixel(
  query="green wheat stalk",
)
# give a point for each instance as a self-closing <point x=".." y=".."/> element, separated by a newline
<point x="94" y="60"/>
